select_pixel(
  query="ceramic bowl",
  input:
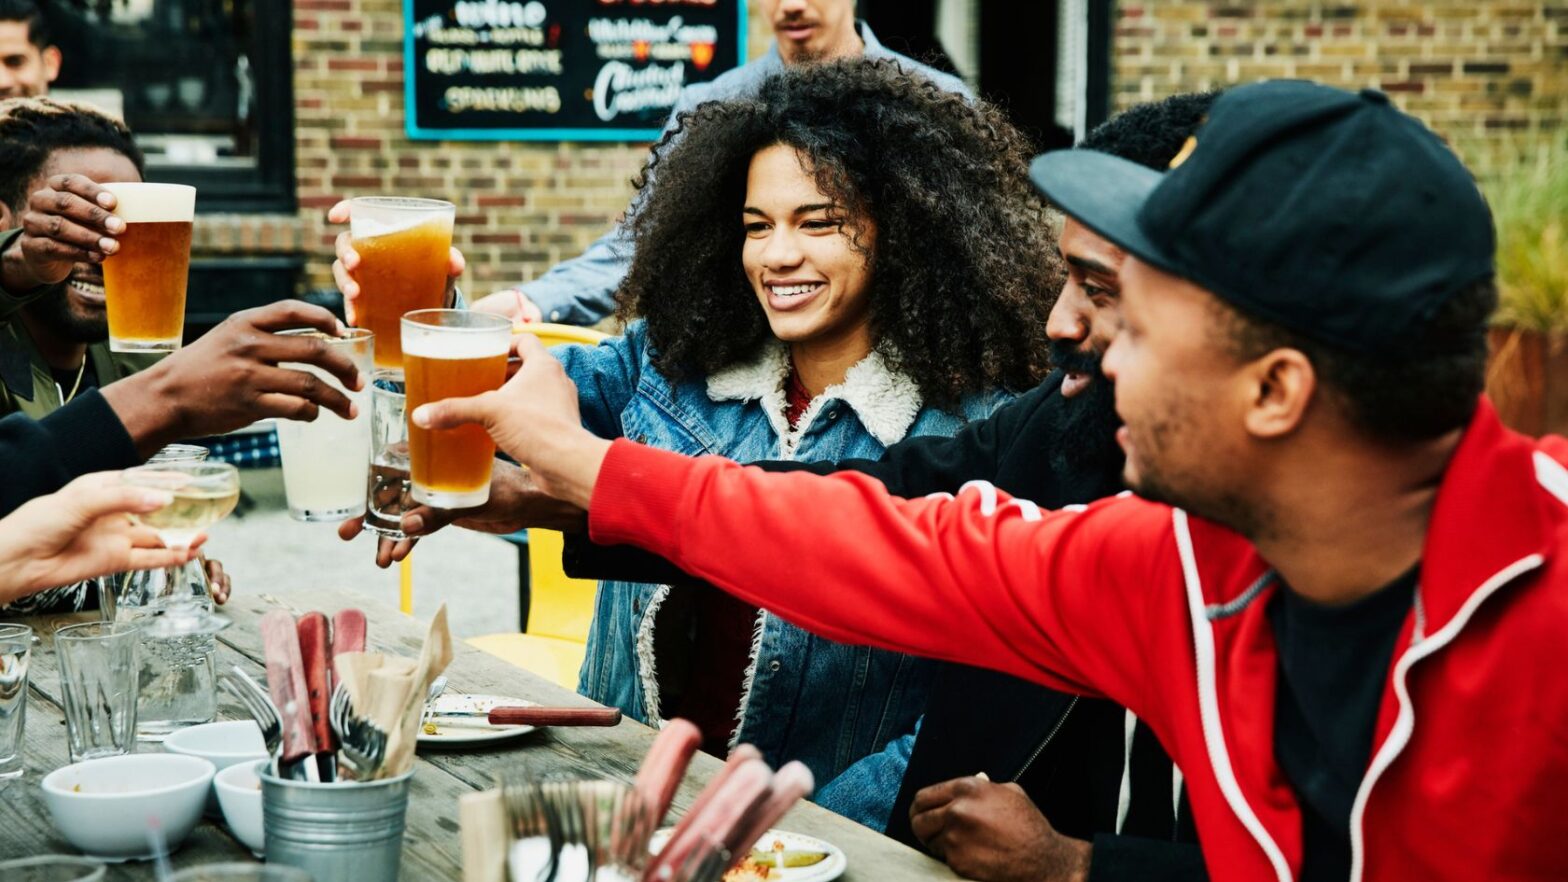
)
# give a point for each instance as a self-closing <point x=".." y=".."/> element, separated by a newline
<point x="239" y="793"/>
<point x="222" y="744"/>
<point x="104" y="806"/>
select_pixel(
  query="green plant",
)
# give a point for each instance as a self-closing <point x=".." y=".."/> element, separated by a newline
<point x="1530" y="204"/>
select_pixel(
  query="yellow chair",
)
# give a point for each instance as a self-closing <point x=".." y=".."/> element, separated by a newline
<point x="559" y="611"/>
<point x="560" y="607"/>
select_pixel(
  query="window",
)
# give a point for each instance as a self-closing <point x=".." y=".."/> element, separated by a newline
<point x="206" y="85"/>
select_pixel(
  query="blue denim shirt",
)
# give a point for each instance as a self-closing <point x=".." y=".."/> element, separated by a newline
<point x="807" y="698"/>
<point x="581" y="291"/>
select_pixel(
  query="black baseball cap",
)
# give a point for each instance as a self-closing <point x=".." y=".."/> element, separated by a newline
<point x="1325" y="211"/>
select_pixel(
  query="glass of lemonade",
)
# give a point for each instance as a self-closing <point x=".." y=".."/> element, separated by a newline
<point x="144" y="281"/>
<point x="404" y="247"/>
<point x="452" y="353"/>
<point x="325" y="461"/>
<point x="177" y="681"/>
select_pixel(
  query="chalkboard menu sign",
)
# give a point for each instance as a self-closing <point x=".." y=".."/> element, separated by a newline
<point x="560" y="70"/>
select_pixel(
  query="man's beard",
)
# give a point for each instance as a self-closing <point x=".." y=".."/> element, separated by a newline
<point x="54" y="314"/>
<point x="1089" y="420"/>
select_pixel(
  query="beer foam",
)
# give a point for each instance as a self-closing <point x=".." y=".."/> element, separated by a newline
<point x="370" y="227"/>
<point x="154" y="203"/>
<point x="464" y="344"/>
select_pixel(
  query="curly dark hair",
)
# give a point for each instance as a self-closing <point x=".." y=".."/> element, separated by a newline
<point x="964" y="269"/>
<point x="32" y="129"/>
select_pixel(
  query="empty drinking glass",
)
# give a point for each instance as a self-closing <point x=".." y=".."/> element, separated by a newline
<point x="16" y="643"/>
<point x="98" y="675"/>
<point x="389" y="493"/>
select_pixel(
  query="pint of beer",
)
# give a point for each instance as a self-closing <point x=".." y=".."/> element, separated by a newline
<point x="144" y="281"/>
<point x="403" y="247"/>
<point x="451" y="353"/>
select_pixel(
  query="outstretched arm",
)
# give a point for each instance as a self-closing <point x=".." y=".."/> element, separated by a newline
<point x="1059" y="598"/>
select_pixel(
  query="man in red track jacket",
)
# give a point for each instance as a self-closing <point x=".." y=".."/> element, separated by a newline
<point x="1341" y="598"/>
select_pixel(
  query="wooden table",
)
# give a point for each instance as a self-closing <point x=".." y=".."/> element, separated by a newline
<point x="431" y="849"/>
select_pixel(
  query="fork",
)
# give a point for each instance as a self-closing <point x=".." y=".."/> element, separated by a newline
<point x="436" y="688"/>
<point x="362" y="745"/>
<point x="249" y="694"/>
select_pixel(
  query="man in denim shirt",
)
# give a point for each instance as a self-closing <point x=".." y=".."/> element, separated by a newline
<point x="581" y="291"/>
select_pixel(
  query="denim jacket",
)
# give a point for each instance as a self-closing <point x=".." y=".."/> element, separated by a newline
<point x="804" y="698"/>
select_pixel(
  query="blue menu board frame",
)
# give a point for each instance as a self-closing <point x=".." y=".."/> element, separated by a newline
<point x="436" y="63"/>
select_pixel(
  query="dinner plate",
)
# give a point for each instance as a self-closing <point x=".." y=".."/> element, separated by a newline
<point x="470" y="730"/>
<point x="829" y="868"/>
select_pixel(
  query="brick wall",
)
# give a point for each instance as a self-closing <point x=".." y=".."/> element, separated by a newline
<point x="521" y="206"/>
<point x="1492" y="77"/>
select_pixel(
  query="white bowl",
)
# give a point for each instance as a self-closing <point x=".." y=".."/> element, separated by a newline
<point x="222" y="744"/>
<point x="103" y="806"/>
<point x="239" y="793"/>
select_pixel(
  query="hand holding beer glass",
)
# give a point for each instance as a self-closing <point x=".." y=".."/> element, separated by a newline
<point x="403" y="249"/>
<point x="451" y="353"/>
<point x="144" y="279"/>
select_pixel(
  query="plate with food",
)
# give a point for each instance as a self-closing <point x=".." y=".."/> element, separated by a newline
<point x="779" y="856"/>
<point x="459" y="718"/>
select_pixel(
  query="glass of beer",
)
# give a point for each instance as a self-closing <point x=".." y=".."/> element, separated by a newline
<point x="404" y="250"/>
<point x="144" y="281"/>
<point x="325" y="460"/>
<point x="451" y="353"/>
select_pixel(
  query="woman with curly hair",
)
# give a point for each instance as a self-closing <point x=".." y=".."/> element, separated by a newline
<point x="852" y="257"/>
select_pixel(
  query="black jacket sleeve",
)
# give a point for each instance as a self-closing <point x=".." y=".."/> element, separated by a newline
<point x="41" y="456"/>
<point x="912" y="467"/>
<point x="1119" y="858"/>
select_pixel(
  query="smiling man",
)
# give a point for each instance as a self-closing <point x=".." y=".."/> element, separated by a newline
<point x="28" y="61"/>
<point x="1340" y="600"/>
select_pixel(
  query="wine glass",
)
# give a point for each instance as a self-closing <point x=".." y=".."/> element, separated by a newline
<point x="173" y="605"/>
<point x="204" y="494"/>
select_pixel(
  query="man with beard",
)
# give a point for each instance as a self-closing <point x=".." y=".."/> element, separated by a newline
<point x="54" y="354"/>
<point x="1065" y="778"/>
<point x="1340" y="592"/>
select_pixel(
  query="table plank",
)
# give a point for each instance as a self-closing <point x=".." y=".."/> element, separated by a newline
<point x="431" y="847"/>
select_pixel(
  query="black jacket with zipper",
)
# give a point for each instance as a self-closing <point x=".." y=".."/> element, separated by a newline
<point x="1069" y="754"/>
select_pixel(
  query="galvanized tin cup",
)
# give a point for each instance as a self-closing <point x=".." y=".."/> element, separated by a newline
<point x="345" y="832"/>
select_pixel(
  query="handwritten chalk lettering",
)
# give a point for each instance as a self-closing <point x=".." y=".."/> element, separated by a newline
<point x="499" y="13"/>
<point x="620" y="88"/>
<point x="630" y="30"/>
<point x="462" y="99"/>
<point x="493" y="61"/>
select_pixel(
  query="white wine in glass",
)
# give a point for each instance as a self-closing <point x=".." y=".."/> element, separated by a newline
<point x="204" y="494"/>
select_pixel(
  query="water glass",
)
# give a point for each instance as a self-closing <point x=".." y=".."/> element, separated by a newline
<point x="98" y="679"/>
<point x="389" y="492"/>
<point x="16" y="643"/>
<point x="325" y="460"/>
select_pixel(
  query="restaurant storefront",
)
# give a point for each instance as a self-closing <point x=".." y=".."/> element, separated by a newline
<point x="275" y="110"/>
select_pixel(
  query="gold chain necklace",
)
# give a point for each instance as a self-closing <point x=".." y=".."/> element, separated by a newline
<point x="76" y="385"/>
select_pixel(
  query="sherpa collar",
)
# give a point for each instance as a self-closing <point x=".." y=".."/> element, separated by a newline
<point x="886" y="402"/>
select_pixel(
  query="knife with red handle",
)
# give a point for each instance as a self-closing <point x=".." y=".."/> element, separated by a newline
<point x="316" y="656"/>
<point x="286" y="683"/>
<point x="348" y="632"/>
<point x="553" y="716"/>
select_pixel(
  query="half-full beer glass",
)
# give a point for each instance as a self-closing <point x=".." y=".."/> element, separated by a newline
<point x="144" y="281"/>
<point x="404" y="247"/>
<point x="450" y="353"/>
